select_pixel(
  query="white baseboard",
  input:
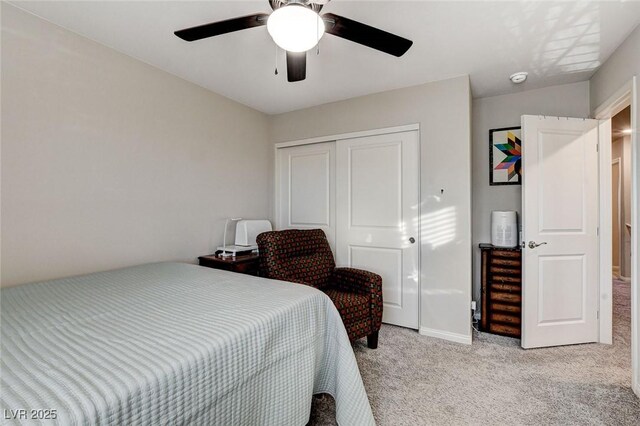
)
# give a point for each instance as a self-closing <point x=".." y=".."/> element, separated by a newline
<point x="446" y="335"/>
<point x="625" y="279"/>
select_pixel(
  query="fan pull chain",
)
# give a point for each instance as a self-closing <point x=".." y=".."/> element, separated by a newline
<point x="317" y="38"/>
<point x="276" y="71"/>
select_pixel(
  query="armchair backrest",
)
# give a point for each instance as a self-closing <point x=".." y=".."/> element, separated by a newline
<point x="300" y="255"/>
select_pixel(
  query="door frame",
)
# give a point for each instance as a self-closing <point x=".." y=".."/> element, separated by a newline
<point x="626" y="95"/>
<point x="620" y="206"/>
<point x="350" y="135"/>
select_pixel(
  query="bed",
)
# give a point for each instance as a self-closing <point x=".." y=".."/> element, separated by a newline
<point x="173" y="343"/>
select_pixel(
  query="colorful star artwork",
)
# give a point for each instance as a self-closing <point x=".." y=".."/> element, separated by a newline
<point x="505" y="156"/>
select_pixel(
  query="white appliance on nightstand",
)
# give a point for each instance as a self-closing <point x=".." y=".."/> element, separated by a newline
<point x="246" y="233"/>
<point x="248" y="230"/>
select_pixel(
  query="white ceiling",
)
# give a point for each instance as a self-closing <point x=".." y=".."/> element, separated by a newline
<point x="556" y="42"/>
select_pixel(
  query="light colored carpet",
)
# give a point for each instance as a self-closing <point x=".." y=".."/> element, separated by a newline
<point x="417" y="380"/>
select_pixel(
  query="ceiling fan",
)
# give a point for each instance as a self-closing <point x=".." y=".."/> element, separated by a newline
<point x="296" y="26"/>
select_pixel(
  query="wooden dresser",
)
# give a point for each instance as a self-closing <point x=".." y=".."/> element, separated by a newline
<point x="501" y="290"/>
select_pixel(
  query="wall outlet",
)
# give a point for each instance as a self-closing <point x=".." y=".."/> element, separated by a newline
<point x="473" y="305"/>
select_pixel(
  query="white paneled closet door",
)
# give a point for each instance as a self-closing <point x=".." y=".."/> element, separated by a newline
<point x="377" y="200"/>
<point x="306" y="188"/>
<point x="364" y="194"/>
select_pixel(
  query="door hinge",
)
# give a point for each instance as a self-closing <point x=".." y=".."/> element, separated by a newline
<point x="598" y="231"/>
<point x="597" y="314"/>
<point x="597" y="147"/>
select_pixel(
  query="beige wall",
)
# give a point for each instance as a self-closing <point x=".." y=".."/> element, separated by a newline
<point x="569" y="100"/>
<point x="109" y="162"/>
<point x="443" y="111"/>
<point x="617" y="71"/>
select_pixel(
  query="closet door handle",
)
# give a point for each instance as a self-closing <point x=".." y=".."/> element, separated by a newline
<point x="412" y="240"/>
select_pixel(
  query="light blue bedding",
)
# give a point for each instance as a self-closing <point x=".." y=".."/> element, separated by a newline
<point x="172" y="343"/>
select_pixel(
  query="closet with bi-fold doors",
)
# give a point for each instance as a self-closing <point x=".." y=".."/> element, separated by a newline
<point x="363" y="192"/>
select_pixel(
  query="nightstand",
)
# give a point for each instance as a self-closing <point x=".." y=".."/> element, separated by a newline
<point x="246" y="264"/>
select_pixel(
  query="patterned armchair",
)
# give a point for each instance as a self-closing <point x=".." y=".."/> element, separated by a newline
<point x="304" y="256"/>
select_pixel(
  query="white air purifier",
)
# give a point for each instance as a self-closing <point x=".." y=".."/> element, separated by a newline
<point x="246" y="233"/>
<point x="504" y="228"/>
<point x="248" y="230"/>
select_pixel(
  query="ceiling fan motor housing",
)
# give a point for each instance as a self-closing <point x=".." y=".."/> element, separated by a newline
<point x="315" y="5"/>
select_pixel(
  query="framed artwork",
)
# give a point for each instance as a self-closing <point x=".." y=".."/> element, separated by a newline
<point x="505" y="156"/>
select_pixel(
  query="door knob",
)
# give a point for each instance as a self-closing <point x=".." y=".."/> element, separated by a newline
<point x="532" y="244"/>
<point x="412" y="240"/>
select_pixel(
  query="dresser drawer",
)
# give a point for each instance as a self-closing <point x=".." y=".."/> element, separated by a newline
<point x="505" y="318"/>
<point x="506" y="279"/>
<point x="505" y="287"/>
<point x="506" y="330"/>
<point x="509" y="262"/>
<point x="503" y="307"/>
<point x="498" y="296"/>
<point x="509" y="254"/>
<point x="502" y="270"/>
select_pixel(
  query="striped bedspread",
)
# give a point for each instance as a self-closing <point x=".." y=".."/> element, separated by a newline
<point x="172" y="343"/>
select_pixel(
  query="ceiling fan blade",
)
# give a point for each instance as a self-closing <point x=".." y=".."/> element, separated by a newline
<point x="296" y="66"/>
<point x="366" y="35"/>
<point x="222" y="27"/>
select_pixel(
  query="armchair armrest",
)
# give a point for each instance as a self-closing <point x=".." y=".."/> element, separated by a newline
<point x="356" y="280"/>
<point x="363" y="282"/>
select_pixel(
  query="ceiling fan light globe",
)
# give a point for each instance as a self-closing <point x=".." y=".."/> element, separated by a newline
<point x="295" y="28"/>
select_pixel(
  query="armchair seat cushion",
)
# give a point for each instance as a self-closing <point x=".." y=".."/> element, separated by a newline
<point x="352" y="307"/>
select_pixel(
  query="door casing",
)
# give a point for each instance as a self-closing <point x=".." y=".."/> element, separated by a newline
<point x="626" y="95"/>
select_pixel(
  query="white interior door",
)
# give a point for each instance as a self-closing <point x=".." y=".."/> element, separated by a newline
<point x="377" y="199"/>
<point x="306" y="188"/>
<point x="560" y="220"/>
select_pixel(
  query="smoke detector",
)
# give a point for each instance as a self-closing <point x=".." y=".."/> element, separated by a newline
<point x="518" y="77"/>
